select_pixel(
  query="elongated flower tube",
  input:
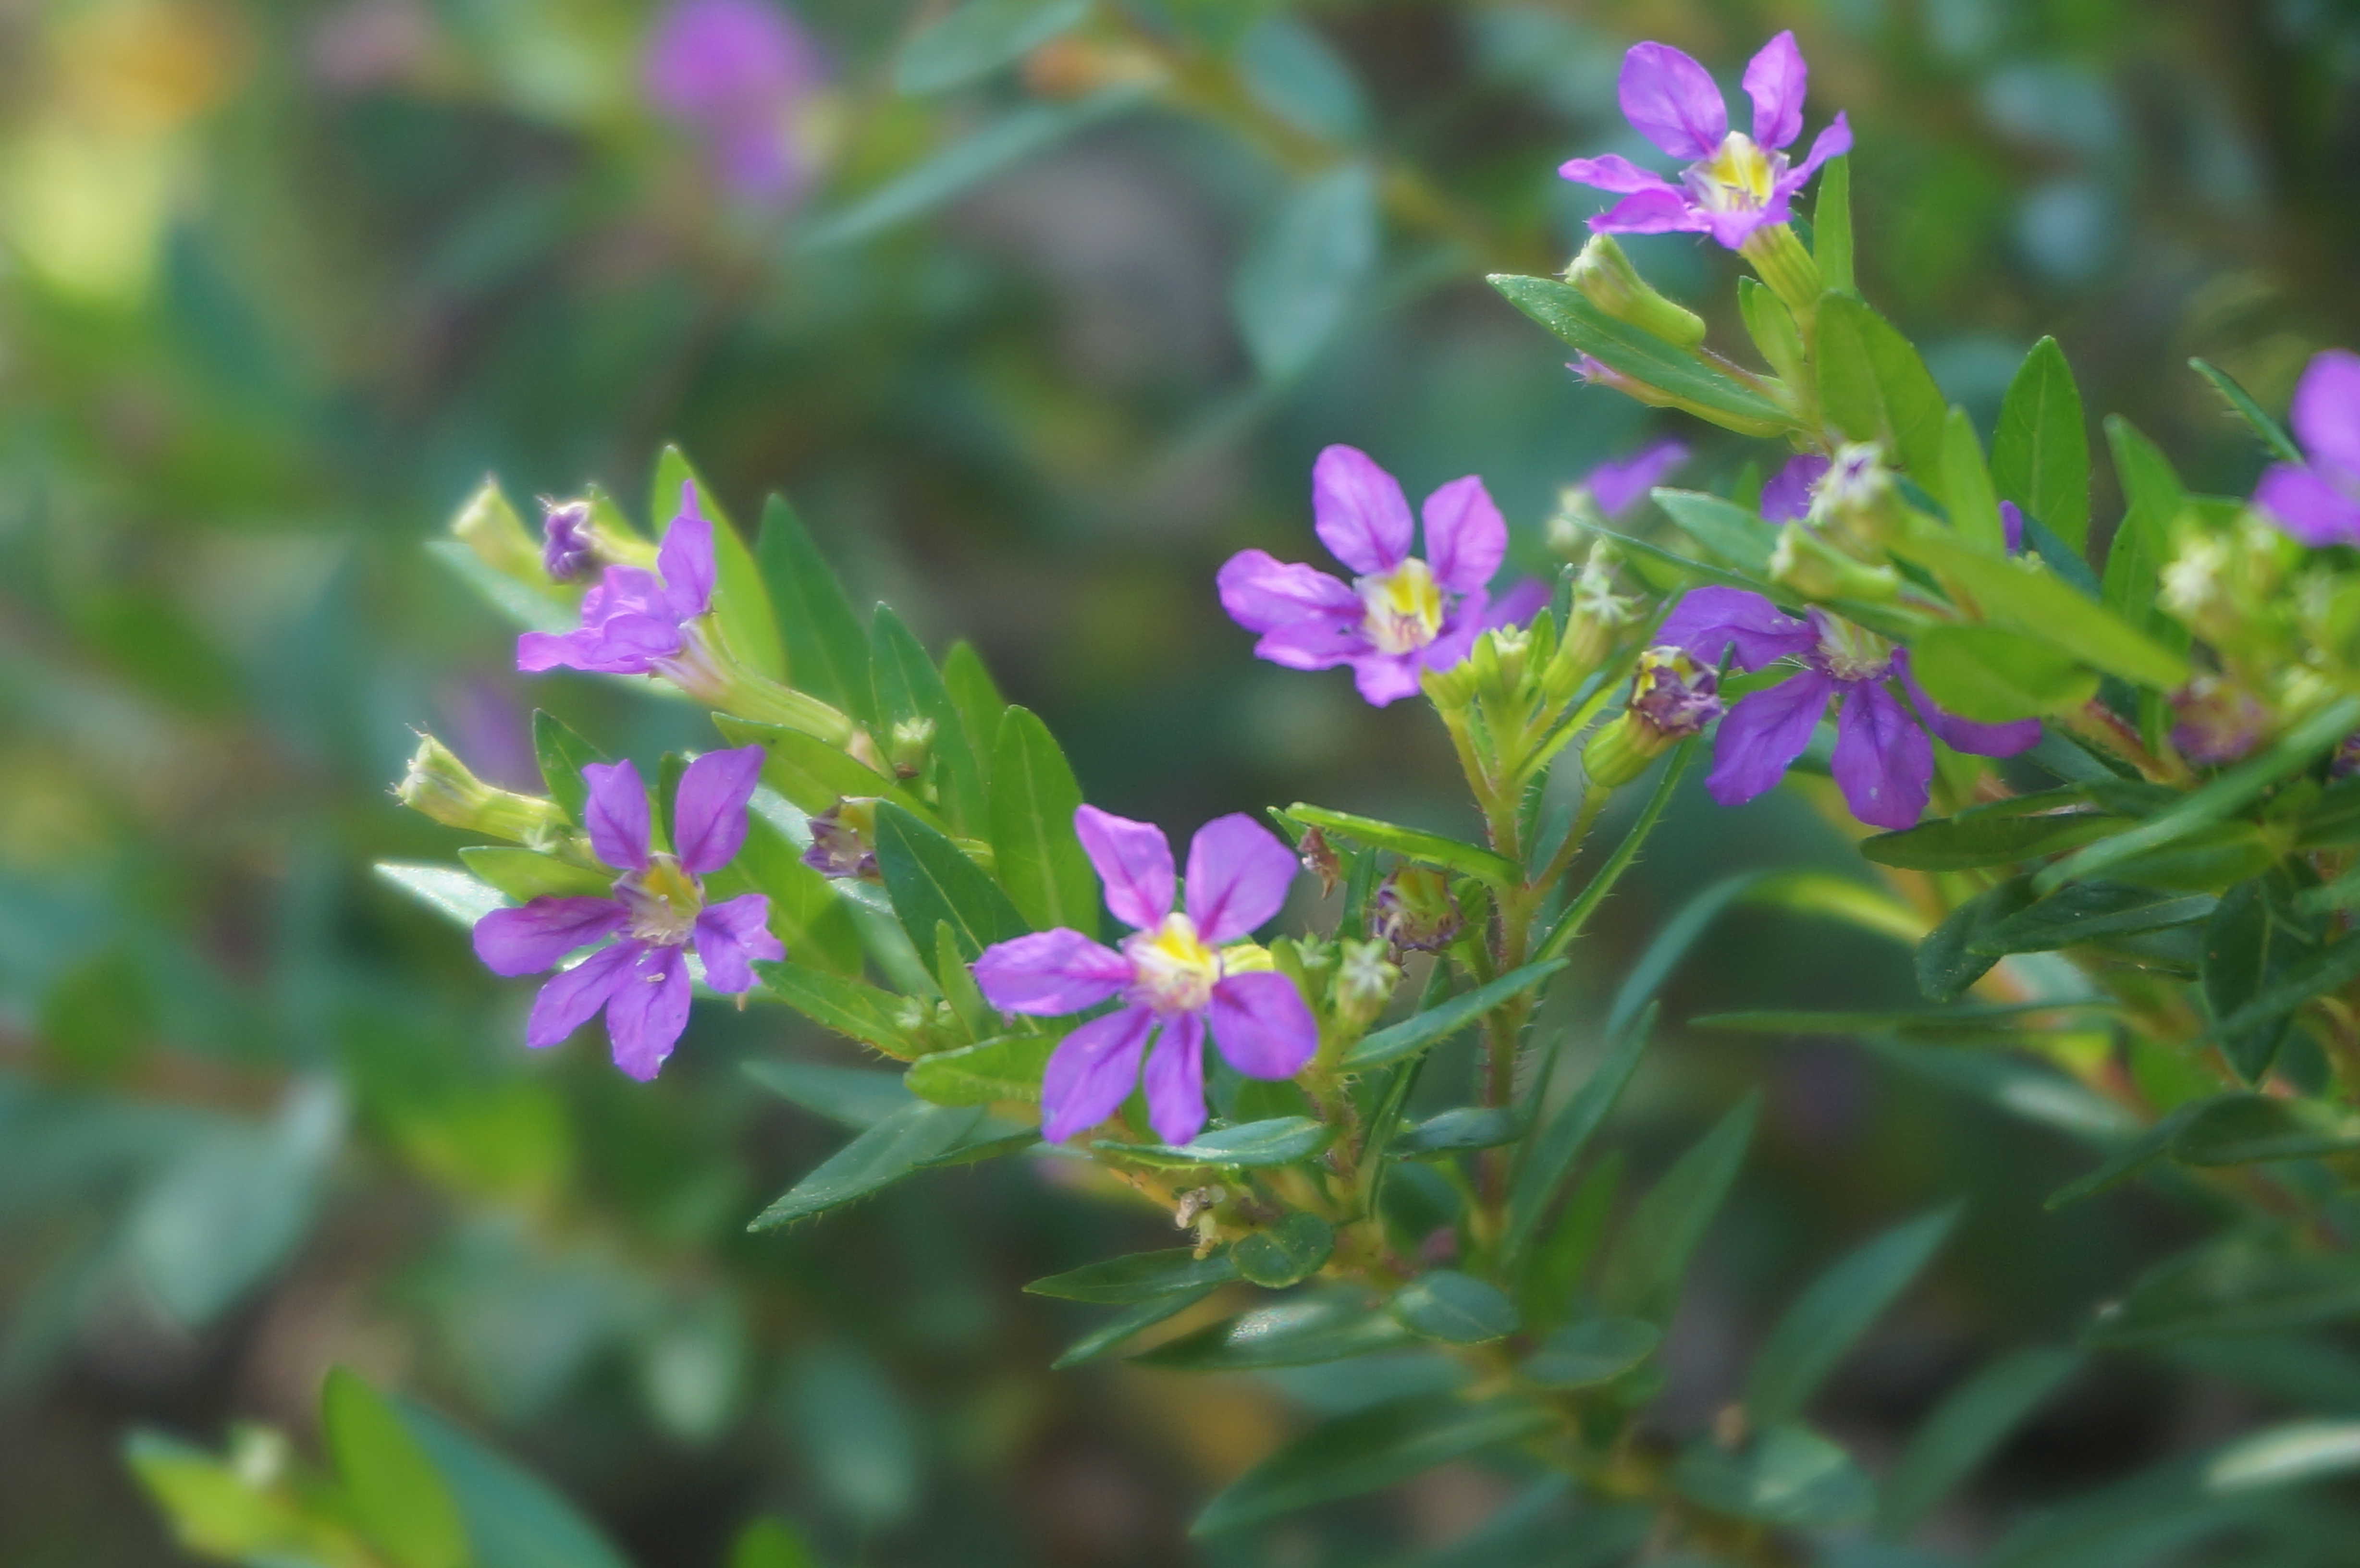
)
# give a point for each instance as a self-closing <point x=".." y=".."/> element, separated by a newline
<point x="1883" y="761"/>
<point x="1187" y="972"/>
<point x="658" y="908"/>
<point x="2318" y="502"/>
<point x="1400" y="615"/>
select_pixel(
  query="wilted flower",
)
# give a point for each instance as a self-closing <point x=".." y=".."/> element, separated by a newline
<point x="844" y="840"/>
<point x="1182" y="973"/>
<point x="1400" y="614"/>
<point x="1734" y="183"/>
<point x="742" y="75"/>
<point x="636" y="622"/>
<point x="658" y="908"/>
<point x="2319" y="501"/>
<point x="1883" y="761"/>
<point x="2216" y="721"/>
<point x="1413" y="910"/>
<point x="567" y="549"/>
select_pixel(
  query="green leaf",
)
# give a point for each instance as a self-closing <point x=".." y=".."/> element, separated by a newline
<point x="2087" y="912"/>
<point x="771" y="1543"/>
<point x="1545" y="1161"/>
<point x="2274" y="435"/>
<point x="809" y="772"/>
<point x="1947" y="961"/>
<point x="2241" y="1284"/>
<point x="213" y="1510"/>
<point x="1457" y="1130"/>
<point x="1596" y="1351"/>
<point x="562" y="754"/>
<point x="1005" y="1067"/>
<point x="1117" y="1330"/>
<point x="2041" y="452"/>
<point x="1593" y="893"/>
<point x="2208" y="859"/>
<point x="1300" y="273"/>
<point x="1359" y="1453"/>
<point x="1281" y="1140"/>
<point x="2135" y="1155"/>
<point x="1874" y="388"/>
<point x="1291" y="1334"/>
<point x="1415" y="1033"/>
<point x="514" y="1518"/>
<point x="1786" y="1475"/>
<point x="397" y="1498"/>
<point x="950" y="171"/>
<point x="1286" y="1253"/>
<point x="1964" y="1430"/>
<point x="899" y="1147"/>
<point x="2250" y="1130"/>
<point x="1457" y="1308"/>
<point x="2250" y="945"/>
<point x="827" y="653"/>
<point x="979" y="38"/>
<point x="1431" y="848"/>
<point x="2032" y="1091"/>
<point x="852" y="1007"/>
<point x="741" y="605"/>
<point x="1992" y="675"/>
<point x="1967" y="487"/>
<point x="1292" y="71"/>
<point x="2285" y="1455"/>
<point x="1771" y="325"/>
<point x="1831" y="224"/>
<point x="1644" y="1271"/>
<point x="1562" y="309"/>
<point x="1549" y="1286"/>
<point x="976" y="698"/>
<point x="910" y="687"/>
<point x="931" y="881"/>
<point x="534" y="609"/>
<point x="1821" y="1326"/>
<point x="1140" y="1277"/>
<point x="1733" y="533"/>
<point x="524" y="874"/>
<point x="1998" y="1022"/>
<point x="854" y="1097"/>
<point x="1035" y="848"/>
<point x="448" y="892"/>
<point x="1965" y="844"/>
<point x="2023" y="594"/>
<point x="2142" y="543"/>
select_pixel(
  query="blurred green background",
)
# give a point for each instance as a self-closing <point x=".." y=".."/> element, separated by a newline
<point x="1031" y="352"/>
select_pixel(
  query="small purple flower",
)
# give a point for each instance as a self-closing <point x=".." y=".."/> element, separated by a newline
<point x="566" y="548"/>
<point x="1787" y="497"/>
<point x="658" y="908"/>
<point x="1883" y="761"/>
<point x="1399" y="616"/>
<point x="740" y="74"/>
<point x="1618" y="485"/>
<point x="1733" y="183"/>
<point x="636" y="622"/>
<point x="2215" y="721"/>
<point x="2319" y="501"/>
<point x="1183" y="972"/>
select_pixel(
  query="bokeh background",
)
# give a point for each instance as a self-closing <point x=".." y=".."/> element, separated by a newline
<point x="1031" y="352"/>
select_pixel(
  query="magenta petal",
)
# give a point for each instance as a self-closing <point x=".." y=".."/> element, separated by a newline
<point x="1776" y="79"/>
<point x="1833" y="141"/>
<point x="1651" y="212"/>
<point x="685" y="558"/>
<point x="1358" y="510"/>
<point x="1619" y="485"/>
<point x="1732" y="229"/>
<point x="2326" y="410"/>
<point x="1671" y="100"/>
<point x="1134" y="861"/>
<point x="648" y="1010"/>
<point x="1760" y="736"/>
<point x="1385" y="677"/>
<point x="1175" y="1080"/>
<point x="1613" y="173"/>
<point x="1050" y="972"/>
<point x="1466" y="537"/>
<point x="709" y="817"/>
<point x="730" y="935"/>
<point x="1883" y="761"/>
<point x="1707" y="621"/>
<point x="2307" y="506"/>
<point x="1262" y="1026"/>
<point x="1263" y="593"/>
<point x="625" y="590"/>
<point x="529" y="940"/>
<point x="1788" y="495"/>
<point x="1520" y="604"/>
<point x="1468" y="620"/>
<point x="1237" y="877"/>
<point x="1091" y="1072"/>
<point x="1313" y="645"/>
<point x="617" y="815"/>
<point x="2011" y="526"/>
<point x="1965" y="734"/>
<point x="573" y="998"/>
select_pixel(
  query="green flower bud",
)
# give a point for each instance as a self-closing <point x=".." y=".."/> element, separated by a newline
<point x="1364" y="983"/>
<point x="1608" y="280"/>
<point x="440" y="786"/>
<point x="1856" y="501"/>
<point x="908" y="745"/>
<point x="487" y="525"/>
<point x="1817" y="569"/>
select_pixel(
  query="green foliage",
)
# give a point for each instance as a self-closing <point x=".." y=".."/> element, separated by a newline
<point x="2041" y="452"/>
<point x="1364" y="1450"/>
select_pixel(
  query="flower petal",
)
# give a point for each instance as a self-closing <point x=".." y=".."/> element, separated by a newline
<point x="1134" y="861"/>
<point x="1386" y="677"/>
<point x="1263" y="593"/>
<point x="2326" y="410"/>
<point x="1776" y="79"/>
<point x="1091" y="1072"/>
<point x="730" y="935"/>
<point x="1466" y="537"/>
<point x="1612" y="172"/>
<point x="1834" y="140"/>
<point x="685" y="558"/>
<point x="1520" y="604"/>
<point x="1176" y="1079"/>
<point x="1788" y="495"/>
<point x="625" y="590"/>
<point x="1671" y="100"/>
<point x="1619" y="485"/>
<point x="1883" y="761"/>
<point x="1965" y="734"/>
<point x="1313" y="645"/>
<point x="2011" y="525"/>
<point x="573" y="997"/>
<point x="1734" y="228"/>
<point x="1050" y="972"/>
<point x="2307" y="506"/>
<point x="1237" y="877"/>
<point x="648" y="1010"/>
<point x="529" y="940"/>
<point x="620" y="645"/>
<point x="1665" y="211"/>
<point x="616" y="813"/>
<point x="1468" y="620"/>
<point x="1261" y="1024"/>
<point x="1760" y="736"/>
<point x="708" y="816"/>
<point x="1707" y="621"/>
<point x="1359" y="511"/>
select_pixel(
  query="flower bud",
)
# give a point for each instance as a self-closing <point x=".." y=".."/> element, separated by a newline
<point x="908" y="745"/>
<point x="490" y="527"/>
<point x="1452" y="689"/>
<point x="1776" y="254"/>
<point x="844" y="840"/>
<point x="1608" y="280"/>
<point x="1364" y="983"/>
<point x="1593" y="623"/>
<point x="440" y="786"/>
<point x="1575" y="521"/>
<point x="1413" y="910"/>
<point x="1598" y="373"/>
<point x="1817" y="569"/>
<point x="1672" y="697"/>
<point x="1500" y="659"/>
<point x="1856" y="501"/>
<point x="567" y="549"/>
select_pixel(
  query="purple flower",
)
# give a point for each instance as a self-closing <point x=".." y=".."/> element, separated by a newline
<point x="1787" y="497"/>
<point x="1399" y="616"/>
<point x="658" y="908"/>
<point x="567" y="549"/>
<point x="740" y="74"/>
<point x="636" y="622"/>
<point x="1733" y="183"/>
<point x="2319" y="501"/>
<point x="1618" y="485"/>
<point x="1180" y="974"/>
<point x="1883" y="761"/>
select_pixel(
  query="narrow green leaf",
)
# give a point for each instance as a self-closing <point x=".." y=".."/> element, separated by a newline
<point x="1644" y="1271"/>
<point x="854" y="1097"/>
<point x="1548" y="1158"/>
<point x="1992" y="675"/>
<point x="2241" y="1284"/>
<point x="1822" y="1325"/>
<point x="1139" y="1277"/>
<point x="448" y="892"/>
<point x="1286" y="1253"/>
<point x="1366" y="1450"/>
<point x="2087" y="912"/>
<point x="1786" y="1475"/>
<point x="1431" y="848"/>
<point x="979" y="38"/>
<point x="1596" y="1351"/>
<point x="2274" y="434"/>
<point x="1281" y="1140"/>
<point x="827" y="653"/>
<point x="397" y="1498"/>
<point x="1967" y="487"/>
<point x="524" y="874"/>
<point x="1914" y="1023"/>
<point x="1831" y="224"/>
<point x="2040" y="451"/>
<point x="515" y="1520"/>
<point x="1457" y="1308"/>
<point x="1417" y="1032"/>
<point x="533" y="609"/>
<point x="2285" y="1455"/>
<point x="1549" y="1289"/>
<point x="1586" y="902"/>
<point x="2022" y="594"/>
<point x="2032" y="1091"/>
<point x="1561" y="308"/>
<point x="1034" y="849"/>
<point x="562" y="754"/>
<point x="811" y="773"/>
<point x="1964" y="1430"/>
<point x="897" y="1148"/>
<point x="1005" y="1067"/>
<point x="2126" y="1161"/>
<point x="931" y="881"/>
<point x="2251" y="1129"/>
<point x="1457" y="1130"/>
<point x="848" y="1007"/>
<point x="1737" y="535"/>
<point x="1771" y="325"/>
<point x="1965" y="844"/>
<point x="771" y="1543"/>
<point x="1874" y="388"/>
<point x="1299" y="276"/>
<point x="2251" y="944"/>
<point x="1947" y="961"/>
<point x="910" y="689"/>
<point x="1120" y="1329"/>
<point x="976" y="698"/>
<point x="741" y="605"/>
<point x="214" y="1512"/>
<point x="1291" y="1334"/>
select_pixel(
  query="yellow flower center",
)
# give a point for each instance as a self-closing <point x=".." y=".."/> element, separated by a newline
<point x="1402" y="609"/>
<point x="1737" y="177"/>
<point x="1172" y="969"/>
<point x="664" y="902"/>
